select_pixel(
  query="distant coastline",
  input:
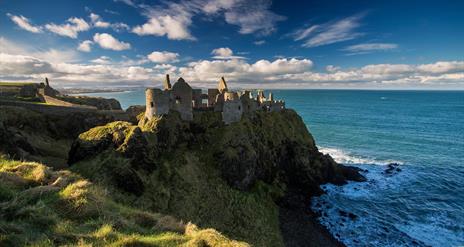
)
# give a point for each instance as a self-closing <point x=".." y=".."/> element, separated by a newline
<point x="71" y="91"/>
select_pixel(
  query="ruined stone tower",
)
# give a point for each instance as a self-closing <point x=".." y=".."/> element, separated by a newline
<point x="167" y="83"/>
<point x="222" y="85"/>
<point x="182" y="94"/>
<point x="232" y="108"/>
<point x="157" y="102"/>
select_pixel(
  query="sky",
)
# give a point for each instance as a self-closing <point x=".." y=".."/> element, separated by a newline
<point x="252" y="43"/>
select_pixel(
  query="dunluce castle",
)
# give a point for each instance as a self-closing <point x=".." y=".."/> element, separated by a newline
<point x="182" y="98"/>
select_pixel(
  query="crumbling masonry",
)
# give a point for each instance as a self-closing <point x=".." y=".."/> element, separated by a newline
<point x="182" y="98"/>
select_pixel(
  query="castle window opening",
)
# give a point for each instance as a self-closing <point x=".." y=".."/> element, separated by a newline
<point x="151" y="104"/>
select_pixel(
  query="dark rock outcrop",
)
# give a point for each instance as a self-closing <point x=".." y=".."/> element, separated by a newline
<point x="188" y="168"/>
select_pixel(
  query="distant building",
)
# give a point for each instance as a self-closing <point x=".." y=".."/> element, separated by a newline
<point x="183" y="99"/>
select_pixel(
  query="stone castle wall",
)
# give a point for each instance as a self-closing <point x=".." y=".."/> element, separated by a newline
<point x="183" y="99"/>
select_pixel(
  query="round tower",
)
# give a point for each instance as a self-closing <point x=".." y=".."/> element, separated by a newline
<point x="149" y="102"/>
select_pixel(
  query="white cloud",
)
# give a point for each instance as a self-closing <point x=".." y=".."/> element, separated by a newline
<point x="259" y="42"/>
<point x="70" y="29"/>
<point x="102" y="60"/>
<point x="50" y="55"/>
<point x="442" y="67"/>
<point x="94" y="17"/>
<point x="175" y="28"/>
<point x="259" y="71"/>
<point x="98" y="22"/>
<point x="370" y="47"/>
<point x="106" y="41"/>
<point x="85" y="46"/>
<point x="332" y="68"/>
<point x="173" y="19"/>
<point x="387" y="69"/>
<point x="253" y="16"/>
<point x="128" y="2"/>
<point x="224" y="53"/>
<point x="166" y="68"/>
<point x="163" y="56"/>
<point x="24" y="23"/>
<point x="329" y="33"/>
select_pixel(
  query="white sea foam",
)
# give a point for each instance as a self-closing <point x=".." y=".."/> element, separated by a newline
<point x="356" y="197"/>
<point x="344" y="157"/>
<point x="427" y="231"/>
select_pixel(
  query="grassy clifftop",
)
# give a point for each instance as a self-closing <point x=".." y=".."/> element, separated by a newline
<point x="42" y="207"/>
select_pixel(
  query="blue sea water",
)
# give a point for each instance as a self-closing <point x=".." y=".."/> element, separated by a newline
<point x="423" y="131"/>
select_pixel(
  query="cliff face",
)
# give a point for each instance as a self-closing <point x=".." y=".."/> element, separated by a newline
<point x="30" y="135"/>
<point x="230" y="178"/>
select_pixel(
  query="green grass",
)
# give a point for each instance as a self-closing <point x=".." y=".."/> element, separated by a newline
<point x="43" y="207"/>
<point x="16" y="84"/>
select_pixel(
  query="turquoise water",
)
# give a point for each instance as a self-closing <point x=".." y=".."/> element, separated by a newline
<point x="423" y="131"/>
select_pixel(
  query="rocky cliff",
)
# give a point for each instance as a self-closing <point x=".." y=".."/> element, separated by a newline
<point x="234" y="178"/>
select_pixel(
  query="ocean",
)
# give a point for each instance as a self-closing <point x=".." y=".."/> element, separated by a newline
<point x="419" y="201"/>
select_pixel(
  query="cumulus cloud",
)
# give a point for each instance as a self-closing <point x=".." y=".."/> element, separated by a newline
<point x="163" y="56"/>
<point x="51" y="55"/>
<point x="98" y="22"/>
<point x="107" y="41"/>
<point x="175" y="28"/>
<point x="24" y="23"/>
<point x="240" y="70"/>
<point x="102" y="60"/>
<point x="224" y="53"/>
<point x="173" y="19"/>
<point x="370" y="47"/>
<point x="332" y="68"/>
<point x="330" y="32"/>
<point x="85" y="46"/>
<point x="442" y="67"/>
<point x="69" y="29"/>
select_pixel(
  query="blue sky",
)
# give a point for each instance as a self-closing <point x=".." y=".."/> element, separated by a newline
<point x="269" y="44"/>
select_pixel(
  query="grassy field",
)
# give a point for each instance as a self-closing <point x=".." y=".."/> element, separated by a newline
<point x="15" y="84"/>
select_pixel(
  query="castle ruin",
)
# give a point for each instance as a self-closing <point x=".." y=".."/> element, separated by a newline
<point x="182" y="98"/>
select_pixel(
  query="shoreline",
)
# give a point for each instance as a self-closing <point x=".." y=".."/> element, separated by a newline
<point x="299" y="225"/>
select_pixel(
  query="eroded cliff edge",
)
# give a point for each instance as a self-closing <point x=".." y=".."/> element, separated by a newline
<point x="233" y="178"/>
